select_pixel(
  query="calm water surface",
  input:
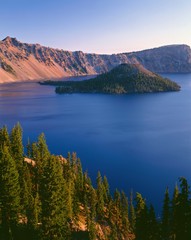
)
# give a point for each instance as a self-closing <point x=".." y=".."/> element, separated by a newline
<point x="141" y="142"/>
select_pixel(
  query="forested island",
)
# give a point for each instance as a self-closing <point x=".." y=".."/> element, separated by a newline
<point x="123" y="79"/>
<point x="43" y="196"/>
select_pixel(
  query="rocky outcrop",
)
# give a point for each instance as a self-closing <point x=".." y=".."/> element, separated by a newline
<point x="21" y="61"/>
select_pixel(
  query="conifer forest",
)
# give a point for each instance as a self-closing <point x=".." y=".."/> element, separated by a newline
<point x="50" y="197"/>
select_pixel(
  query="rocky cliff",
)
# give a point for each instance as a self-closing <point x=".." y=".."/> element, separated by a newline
<point x="22" y="61"/>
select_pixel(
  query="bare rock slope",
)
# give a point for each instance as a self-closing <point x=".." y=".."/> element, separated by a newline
<point x="22" y="61"/>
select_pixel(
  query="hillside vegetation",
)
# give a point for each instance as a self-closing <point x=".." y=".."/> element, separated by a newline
<point x="125" y="78"/>
<point x="48" y="197"/>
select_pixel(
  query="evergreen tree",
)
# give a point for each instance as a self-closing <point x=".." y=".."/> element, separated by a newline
<point x="124" y="213"/>
<point x="53" y="194"/>
<point x="100" y="197"/>
<point x="165" y="231"/>
<point x="4" y="137"/>
<point x="183" y="211"/>
<point x="92" y="209"/>
<point x="43" y="153"/>
<point x="132" y="215"/>
<point x="9" y="194"/>
<point x="93" y="203"/>
<point x="153" y="227"/>
<point x="141" y="225"/>
<point x="79" y="173"/>
<point x="106" y="190"/>
<point x="17" y="150"/>
<point x="27" y="187"/>
<point x="92" y="231"/>
<point x="41" y="156"/>
<point x="117" y="209"/>
<point x="32" y="201"/>
<point x="117" y="199"/>
<point x="114" y="233"/>
<point x="29" y="149"/>
<point x="174" y="218"/>
<point x="70" y="196"/>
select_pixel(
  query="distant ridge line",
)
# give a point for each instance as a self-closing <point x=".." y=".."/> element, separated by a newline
<point x="22" y="61"/>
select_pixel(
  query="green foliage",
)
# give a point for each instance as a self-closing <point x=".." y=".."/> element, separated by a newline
<point x="9" y="193"/>
<point x="124" y="213"/>
<point x="100" y="197"/>
<point x="132" y="215"/>
<point x="166" y="216"/>
<point x="141" y="218"/>
<point x="183" y="211"/>
<point x="53" y="194"/>
<point x="17" y="150"/>
<point x="174" y="217"/>
<point x="50" y="197"/>
<point x="4" y="137"/>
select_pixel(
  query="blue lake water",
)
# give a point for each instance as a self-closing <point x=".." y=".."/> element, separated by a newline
<point x="139" y="141"/>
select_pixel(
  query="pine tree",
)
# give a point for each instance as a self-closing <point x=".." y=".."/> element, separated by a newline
<point x="9" y="194"/>
<point x="114" y="233"/>
<point x="92" y="231"/>
<point x="166" y="231"/>
<point x="70" y="196"/>
<point x="27" y="187"/>
<point x="93" y="203"/>
<point x="53" y="194"/>
<point x="174" y="217"/>
<point x="106" y="190"/>
<point x="153" y="227"/>
<point x="43" y="153"/>
<point x="29" y="149"/>
<point x="124" y="213"/>
<point x="117" y="209"/>
<point x="34" y="211"/>
<point x="79" y="173"/>
<point x="100" y="197"/>
<point x="141" y="226"/>
<point x="4" y="137"/>
<point x="17" y="150"/>
<point x="132" y="215"/>
<point x="32" y="201"/>
<point x="183" y="211"/>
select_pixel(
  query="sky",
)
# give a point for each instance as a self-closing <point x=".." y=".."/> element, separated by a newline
<point x="97" y="26"/>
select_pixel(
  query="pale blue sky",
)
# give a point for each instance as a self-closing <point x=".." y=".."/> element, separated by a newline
<point x="100" y="26"/>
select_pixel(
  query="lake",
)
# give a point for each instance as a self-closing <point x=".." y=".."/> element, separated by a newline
<point x="139" y="141"/>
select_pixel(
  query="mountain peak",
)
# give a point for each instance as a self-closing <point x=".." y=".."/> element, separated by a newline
<point x="133" y="69"/>
<point x="11" y="41"/>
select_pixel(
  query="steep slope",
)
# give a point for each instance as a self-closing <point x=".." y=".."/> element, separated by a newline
<point x="21" y="61"/>
<point x="172" y="59"/>
<point x="125" y="78"/>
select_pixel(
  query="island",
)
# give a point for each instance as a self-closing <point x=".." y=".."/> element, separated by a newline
<point x="123" y="79"/>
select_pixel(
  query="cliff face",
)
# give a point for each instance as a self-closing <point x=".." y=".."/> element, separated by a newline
<point x="167" y="59"/>
<point x="22" y="61"/>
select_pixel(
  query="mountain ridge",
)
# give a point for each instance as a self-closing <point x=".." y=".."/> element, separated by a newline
<point x="22" y="61"/>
